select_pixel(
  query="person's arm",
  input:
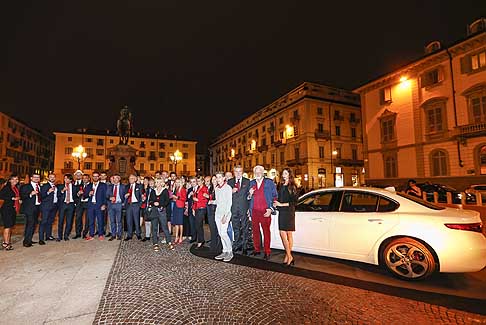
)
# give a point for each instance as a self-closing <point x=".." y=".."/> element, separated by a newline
<point x="5" y="194"/>
<point x="164" y="199"/>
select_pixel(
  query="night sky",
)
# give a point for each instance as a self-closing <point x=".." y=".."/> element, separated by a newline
<point x="178" y="64"/>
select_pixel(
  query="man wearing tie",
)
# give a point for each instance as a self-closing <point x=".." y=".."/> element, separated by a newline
<point x="133" y="200"/>
<point x="80" y="182"/>
<point x="239" y="212"/>
<point x="49" y="208"/>
<point x="68" y="200"/>
<point x="31" y="201"/>
<point x="96" y="194"/>
<point x="116" y="198"/>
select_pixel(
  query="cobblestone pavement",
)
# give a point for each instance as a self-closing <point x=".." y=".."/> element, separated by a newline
<point x="176" y="287"/>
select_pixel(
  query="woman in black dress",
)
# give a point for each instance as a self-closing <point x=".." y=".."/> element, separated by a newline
<point x="287" y="198"/>
<point x="10" y="195"/>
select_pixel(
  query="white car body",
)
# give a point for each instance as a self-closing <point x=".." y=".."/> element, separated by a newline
<point x="358" y="236"/>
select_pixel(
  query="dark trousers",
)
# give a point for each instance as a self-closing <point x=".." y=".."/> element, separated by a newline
<point x="95" y="213"/>
<point x="133" y="217"/>
<point x="192" y="224"/>
<point x="199" y="224"/>
<point x="215" y="246"/>
<point x="66" y="211"/>
<point x="47" y="218"/>
<point x="242" y="231"/>
<point x="115" y="214"/>
<point x="31" y="219"/>
<point x="81" y="208"/>
<point x="162" y="221"/>
<point x="258" y="219"/>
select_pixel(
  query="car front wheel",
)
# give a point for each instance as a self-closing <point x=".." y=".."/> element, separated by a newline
<point x="408" y="259"/>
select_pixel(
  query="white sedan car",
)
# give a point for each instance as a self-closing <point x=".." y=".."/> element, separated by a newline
<point x="411" y="237"/>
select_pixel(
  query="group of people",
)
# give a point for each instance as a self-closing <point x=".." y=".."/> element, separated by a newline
<point x="237" y="209"/>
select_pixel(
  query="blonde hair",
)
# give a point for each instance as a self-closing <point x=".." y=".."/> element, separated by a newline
<point x="159" y="181"/>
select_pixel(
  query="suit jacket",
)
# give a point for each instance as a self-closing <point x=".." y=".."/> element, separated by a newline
<point x="138" y="192"/>
<point x="163" y="199"/>
<point x="47" y="198"/>
<point x="62" y="196"/>
<point x="269" y="190"/>
<point x="240" y="198"/>
<point x="100" y="194"/>
<point x="28" y="202"/>
<point x="122" y="190"/>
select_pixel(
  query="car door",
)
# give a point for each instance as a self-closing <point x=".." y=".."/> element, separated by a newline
<point x="363" y="218"/>
<point x="312" y="220"/>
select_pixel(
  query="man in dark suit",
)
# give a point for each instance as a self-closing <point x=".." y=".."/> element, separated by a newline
<point x="96" y="193"/>
<point x="81" y="181"/>
<point x="68" y="200"/>
<point x="116" y="197"/>
<point x="49" y="208"/>
<point x="133" y="200"/>
<point x="239" y="211"/>
<point x="31" y="202"/>
<point x="190" y="201"/>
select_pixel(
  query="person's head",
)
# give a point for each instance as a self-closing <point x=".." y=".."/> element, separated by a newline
<point x="164" y="175"/>
<point x="35" y="177"/>
<point x="146" y="181"/>
<point x="173" y="176"/>
<point x="103" y="176"/>
<point x="159" y="183"/>
<point x="152" y="182"/>
<point x="207" y="181"/>
<point x="51" y="177"/>
<point x="78" y="175"/>
<point x="96" y="177"/>
<point x="132" y="178"/>
<point x="157" y="174"/>
<point x="177" y="183"/>
<point x="86" y="178"/>
<point x="200" y="181"/>
<point x="214" y="180"/>
<point x="228" y="175"/>
<point x="258" y="172"/>
<point x="238" y="170"/>
<point x="13" y="179"/>
<point x="220" y="179"/>
<point x="412" y="182"/>
<point x="116" y="179"/>
<point x="193" y="181"/>
<point x="287" y="175"/>
<point x="112" y="179"/>
<point x="68" y="178"/>
<point x="183" y="180"/>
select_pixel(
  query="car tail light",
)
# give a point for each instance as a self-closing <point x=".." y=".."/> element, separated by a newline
<point x="476" y="227"/>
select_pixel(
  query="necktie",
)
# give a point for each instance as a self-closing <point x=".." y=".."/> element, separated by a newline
<point x="237" y="185"/>
<point x="130" y="194"/>
<point x="68" y="194"/>
<point x="115" y="193"/>
<point x="38" y="193"/>
<point x="16" y="202"/>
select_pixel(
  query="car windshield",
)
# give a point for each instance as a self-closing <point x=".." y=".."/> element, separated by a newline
<point x="420" y="201"/>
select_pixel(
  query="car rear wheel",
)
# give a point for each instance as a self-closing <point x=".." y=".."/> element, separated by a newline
<point x="408" y="259"/>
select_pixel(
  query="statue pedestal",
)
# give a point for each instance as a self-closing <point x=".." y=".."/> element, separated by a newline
<point x="122" y="160"/>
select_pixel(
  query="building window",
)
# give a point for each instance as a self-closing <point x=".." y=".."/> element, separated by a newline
<point x="171" y="145"/>
<point x="477" y="106"/>
<point x="161" y="145"/>
<point x="170" y="167"/>
<point x="296" y="152"/>
<point x="100" y="152"/>
<point x="478" y="60"/>
<point x="142" y="167"/>
<point x="385" y="95"/>
<point x="89" y="152"/>
<point x="434" y="119"/>
<point x="87" y="165"/>
<point x="353" y="132"/>
<point x="100" y="166"/>
<point x="70" y="139"/>
<point x="132" y="142"/>
<point x="152" y="167"/>
<point x="185" y="155"/>
<point x="161" y="154"/>
<point x="280" y="120"/>
<point x="100" y="142"/>
<point x="68" y="150"/>
<point x="184" y="168"/>
<point x="354" y="154"/>
<point x="282" y="157"/>
<point x="319" y="111"/>
<point x="338" y="130"/>
<point x="185" y="145"/>
<point x="438" y="160"/>
<point x="338" y="151"/>
<point x="89" y="139"/>
<point x="390" y="163"/>
<point x="273" y="158"/>
<point x="142" y="153"/>
<point x="152" y="144"/>
<point x="387" y="129"/>
<point x="321" y="152"/>
<point x="320" y="127"/>
<point x="161" y="167"/>
<point x="111" y="141"/>
<point x="142" y="144"/>
<point x="430" y="78"/>
<point x="68" y="165"/>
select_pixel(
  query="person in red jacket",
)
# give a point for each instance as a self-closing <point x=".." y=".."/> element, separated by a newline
<point x="199" y="205"/>
<point x="179" y="196"/>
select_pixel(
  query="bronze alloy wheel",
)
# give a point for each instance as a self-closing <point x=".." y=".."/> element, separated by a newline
<point x="408" y="259"/>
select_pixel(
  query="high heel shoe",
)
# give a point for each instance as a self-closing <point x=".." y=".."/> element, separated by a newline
<point x="291" y="262"/>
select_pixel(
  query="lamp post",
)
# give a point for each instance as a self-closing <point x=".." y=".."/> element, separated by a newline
<point x="79" y="154"/>
<point x="175" y="158"/>
<point x="334" y="153"/>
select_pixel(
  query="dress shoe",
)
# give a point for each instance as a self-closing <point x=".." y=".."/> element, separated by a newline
<point x="118" y="238"/>
<point x="139" y="237"/>
<point x="51" y="238"/>
<point x="57" y="239"/>
<point x="266" y="257"/>
<point x="66" y="238"/>
<point x="244" y="252"/>
<point x="77" y="236"/>
<point x="144" y="239"/>
<point x="111" y="238"/>
<point x="33" y="242"/>
<point x="192" y="241"/>
<point x="108" y="235"/>
<point x="128" y="238"/>
<point x="255" y="254"/>
<point x="41" y="242"/>
<point x="27" y="245"/>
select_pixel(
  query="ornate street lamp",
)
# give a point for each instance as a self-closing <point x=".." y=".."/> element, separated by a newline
<point x="79" y="154"/>
<point x="176" y="157"/>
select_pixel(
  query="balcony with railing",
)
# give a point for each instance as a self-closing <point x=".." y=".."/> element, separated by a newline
<point x="295" y="119"/>
<point x="277" y="143"/>
<point x="262" y="148"/>
<point x="322" y="134"/>
<point x="471" y="130"/>
<point x="349" y="162"/>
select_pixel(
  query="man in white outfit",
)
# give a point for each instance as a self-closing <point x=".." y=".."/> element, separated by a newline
<point x="224" y="198"/>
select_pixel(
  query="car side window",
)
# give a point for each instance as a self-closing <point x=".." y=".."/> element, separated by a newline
<point x="359" y="202"/>
<point x="386" y="205"/>
<point x="317" y="202"/>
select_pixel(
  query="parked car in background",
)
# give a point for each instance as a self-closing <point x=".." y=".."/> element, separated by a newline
<point x="412" y="238"/>
<point x="479" y="188"/>
<point x="442" y="191"/>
